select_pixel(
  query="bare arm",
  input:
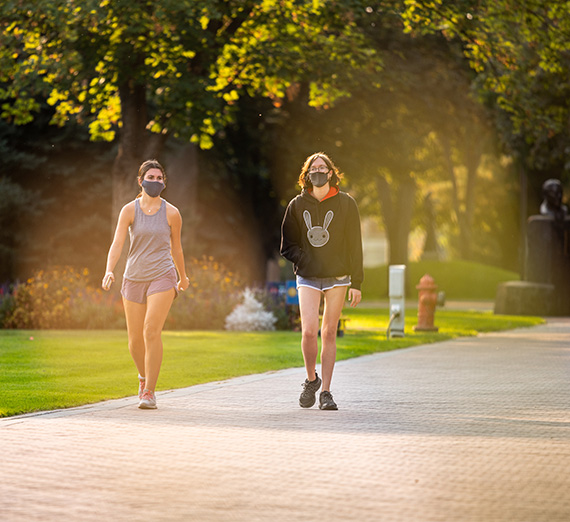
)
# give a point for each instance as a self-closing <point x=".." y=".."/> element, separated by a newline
<point x="125" y="220"/>
<point x="175" y="221"/>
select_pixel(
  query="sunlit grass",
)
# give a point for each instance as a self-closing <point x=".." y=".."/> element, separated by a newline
<point x="458" y="279"/>
<point x="44" y="370"/>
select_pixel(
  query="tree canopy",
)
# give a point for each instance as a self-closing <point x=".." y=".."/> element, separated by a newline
<point x="264" y="80"/>
<point x="520" y="52"/>
<point x="188" y="61"/>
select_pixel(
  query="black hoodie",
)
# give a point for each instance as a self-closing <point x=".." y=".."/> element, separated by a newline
<point x="323" y="238"/>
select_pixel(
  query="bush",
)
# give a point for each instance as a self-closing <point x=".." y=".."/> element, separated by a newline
<point x="95" y="309"/>
<point x="61" y="298"/>
<point x="211" y="296"/>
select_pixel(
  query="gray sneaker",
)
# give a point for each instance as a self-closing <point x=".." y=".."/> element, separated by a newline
<point x="326" y="401"/>
<point x="148" y="401"/>
<point x="310" y="388"/>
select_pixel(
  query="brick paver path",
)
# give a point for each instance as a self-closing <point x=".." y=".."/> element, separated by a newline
<point x="472" y="429"/>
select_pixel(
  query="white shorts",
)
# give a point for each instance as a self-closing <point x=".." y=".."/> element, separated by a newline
<point x="323" y="283"/>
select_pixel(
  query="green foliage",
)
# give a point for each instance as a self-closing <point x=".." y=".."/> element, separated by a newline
<point x="520" y="52"/>
<point x="185" y="62"/>
<point x="44" y="370"/>
<point x="458" y="279"/>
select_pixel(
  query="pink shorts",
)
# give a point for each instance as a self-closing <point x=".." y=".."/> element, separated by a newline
<point x="138" y="291"/>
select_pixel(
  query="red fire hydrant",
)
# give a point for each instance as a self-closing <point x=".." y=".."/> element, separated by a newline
<point x="427" y="300"/>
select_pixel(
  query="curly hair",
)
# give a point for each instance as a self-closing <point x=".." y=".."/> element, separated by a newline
<point x="305" y="179"/>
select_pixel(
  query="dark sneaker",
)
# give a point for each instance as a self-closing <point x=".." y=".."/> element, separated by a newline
<point x="310" y="388"/>
<point x="326" y="401"/>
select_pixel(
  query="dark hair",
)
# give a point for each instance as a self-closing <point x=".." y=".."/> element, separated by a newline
<point x="148" y="165"/>
<point x="305" y="179"/>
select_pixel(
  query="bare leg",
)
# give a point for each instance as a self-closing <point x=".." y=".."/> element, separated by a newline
<point x="334" y="302"/>
<point x="134" y="314"/>
<point x="309" y="301"/>
<point x="157" y="308"/>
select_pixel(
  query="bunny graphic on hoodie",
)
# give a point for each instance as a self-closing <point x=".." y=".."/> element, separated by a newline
<point x="323" y="238"/>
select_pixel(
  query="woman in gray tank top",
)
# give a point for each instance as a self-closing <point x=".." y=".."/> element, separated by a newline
<point x="150" y="281"/>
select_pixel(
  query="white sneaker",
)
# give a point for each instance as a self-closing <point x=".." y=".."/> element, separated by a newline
<point x="142" y="383"/>
<point x="148" y="401"/>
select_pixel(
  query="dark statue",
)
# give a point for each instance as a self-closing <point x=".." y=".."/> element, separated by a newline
<point x="552" y="204"/>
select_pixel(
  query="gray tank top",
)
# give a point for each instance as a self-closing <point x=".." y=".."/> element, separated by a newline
<point x="149" y="254"/>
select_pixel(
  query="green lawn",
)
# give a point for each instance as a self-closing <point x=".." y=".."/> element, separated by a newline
<point x="464" y="280"/>
<point x="44" y="370"/>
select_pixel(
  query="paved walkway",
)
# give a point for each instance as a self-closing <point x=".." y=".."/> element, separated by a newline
<point x="476" y="429"/>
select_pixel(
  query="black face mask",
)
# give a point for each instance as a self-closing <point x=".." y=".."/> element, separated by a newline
<point x="319" y="179"/>
<point x="153" y="188"/>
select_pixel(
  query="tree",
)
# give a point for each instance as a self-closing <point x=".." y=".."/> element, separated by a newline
<point x="519" y="51"/>
<point x="147" y="70"/>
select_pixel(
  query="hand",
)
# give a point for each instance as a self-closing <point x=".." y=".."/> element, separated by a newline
<point x="183" y="284"/>
<point x="108" y="280"/>
<point x="354" y="296"/>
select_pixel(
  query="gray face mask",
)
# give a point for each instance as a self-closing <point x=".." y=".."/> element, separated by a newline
<point x="319" y="179"/>
<point x="153" y="188"/>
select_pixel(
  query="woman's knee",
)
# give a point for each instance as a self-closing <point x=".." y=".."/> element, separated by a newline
<point x="328" y="334"/>
<point x="310" y="333"/>
<point x="136" y="339"/>
<point x="151" y="333"/>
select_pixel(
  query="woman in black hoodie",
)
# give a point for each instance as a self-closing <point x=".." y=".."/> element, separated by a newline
<point x="321" y="236"/>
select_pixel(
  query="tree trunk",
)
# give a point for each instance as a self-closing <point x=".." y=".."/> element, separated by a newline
<point x="472" y="161"/>
<point x="132" y="145"/>
<point x="386" y="209"/>
<point x="464" y="218"/>
<point x="404" y="210"/>
<point x="464" y="232"/>
<point x="397" y="217"/>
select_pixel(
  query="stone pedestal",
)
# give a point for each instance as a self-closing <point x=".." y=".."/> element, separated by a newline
<point x="546" y="287"/>
<point x="548" y="258"/>
<point x="524" y="298"/>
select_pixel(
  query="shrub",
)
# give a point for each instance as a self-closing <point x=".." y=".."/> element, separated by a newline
<point x="95" y="309"/>
<point x="250" y="315"/>
<point x="211" y="296"/>
<point x="61" y="298"/>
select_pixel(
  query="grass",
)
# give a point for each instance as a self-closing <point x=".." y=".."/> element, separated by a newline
<point x="458" y="279"/>
<point x="45" y="370"/>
